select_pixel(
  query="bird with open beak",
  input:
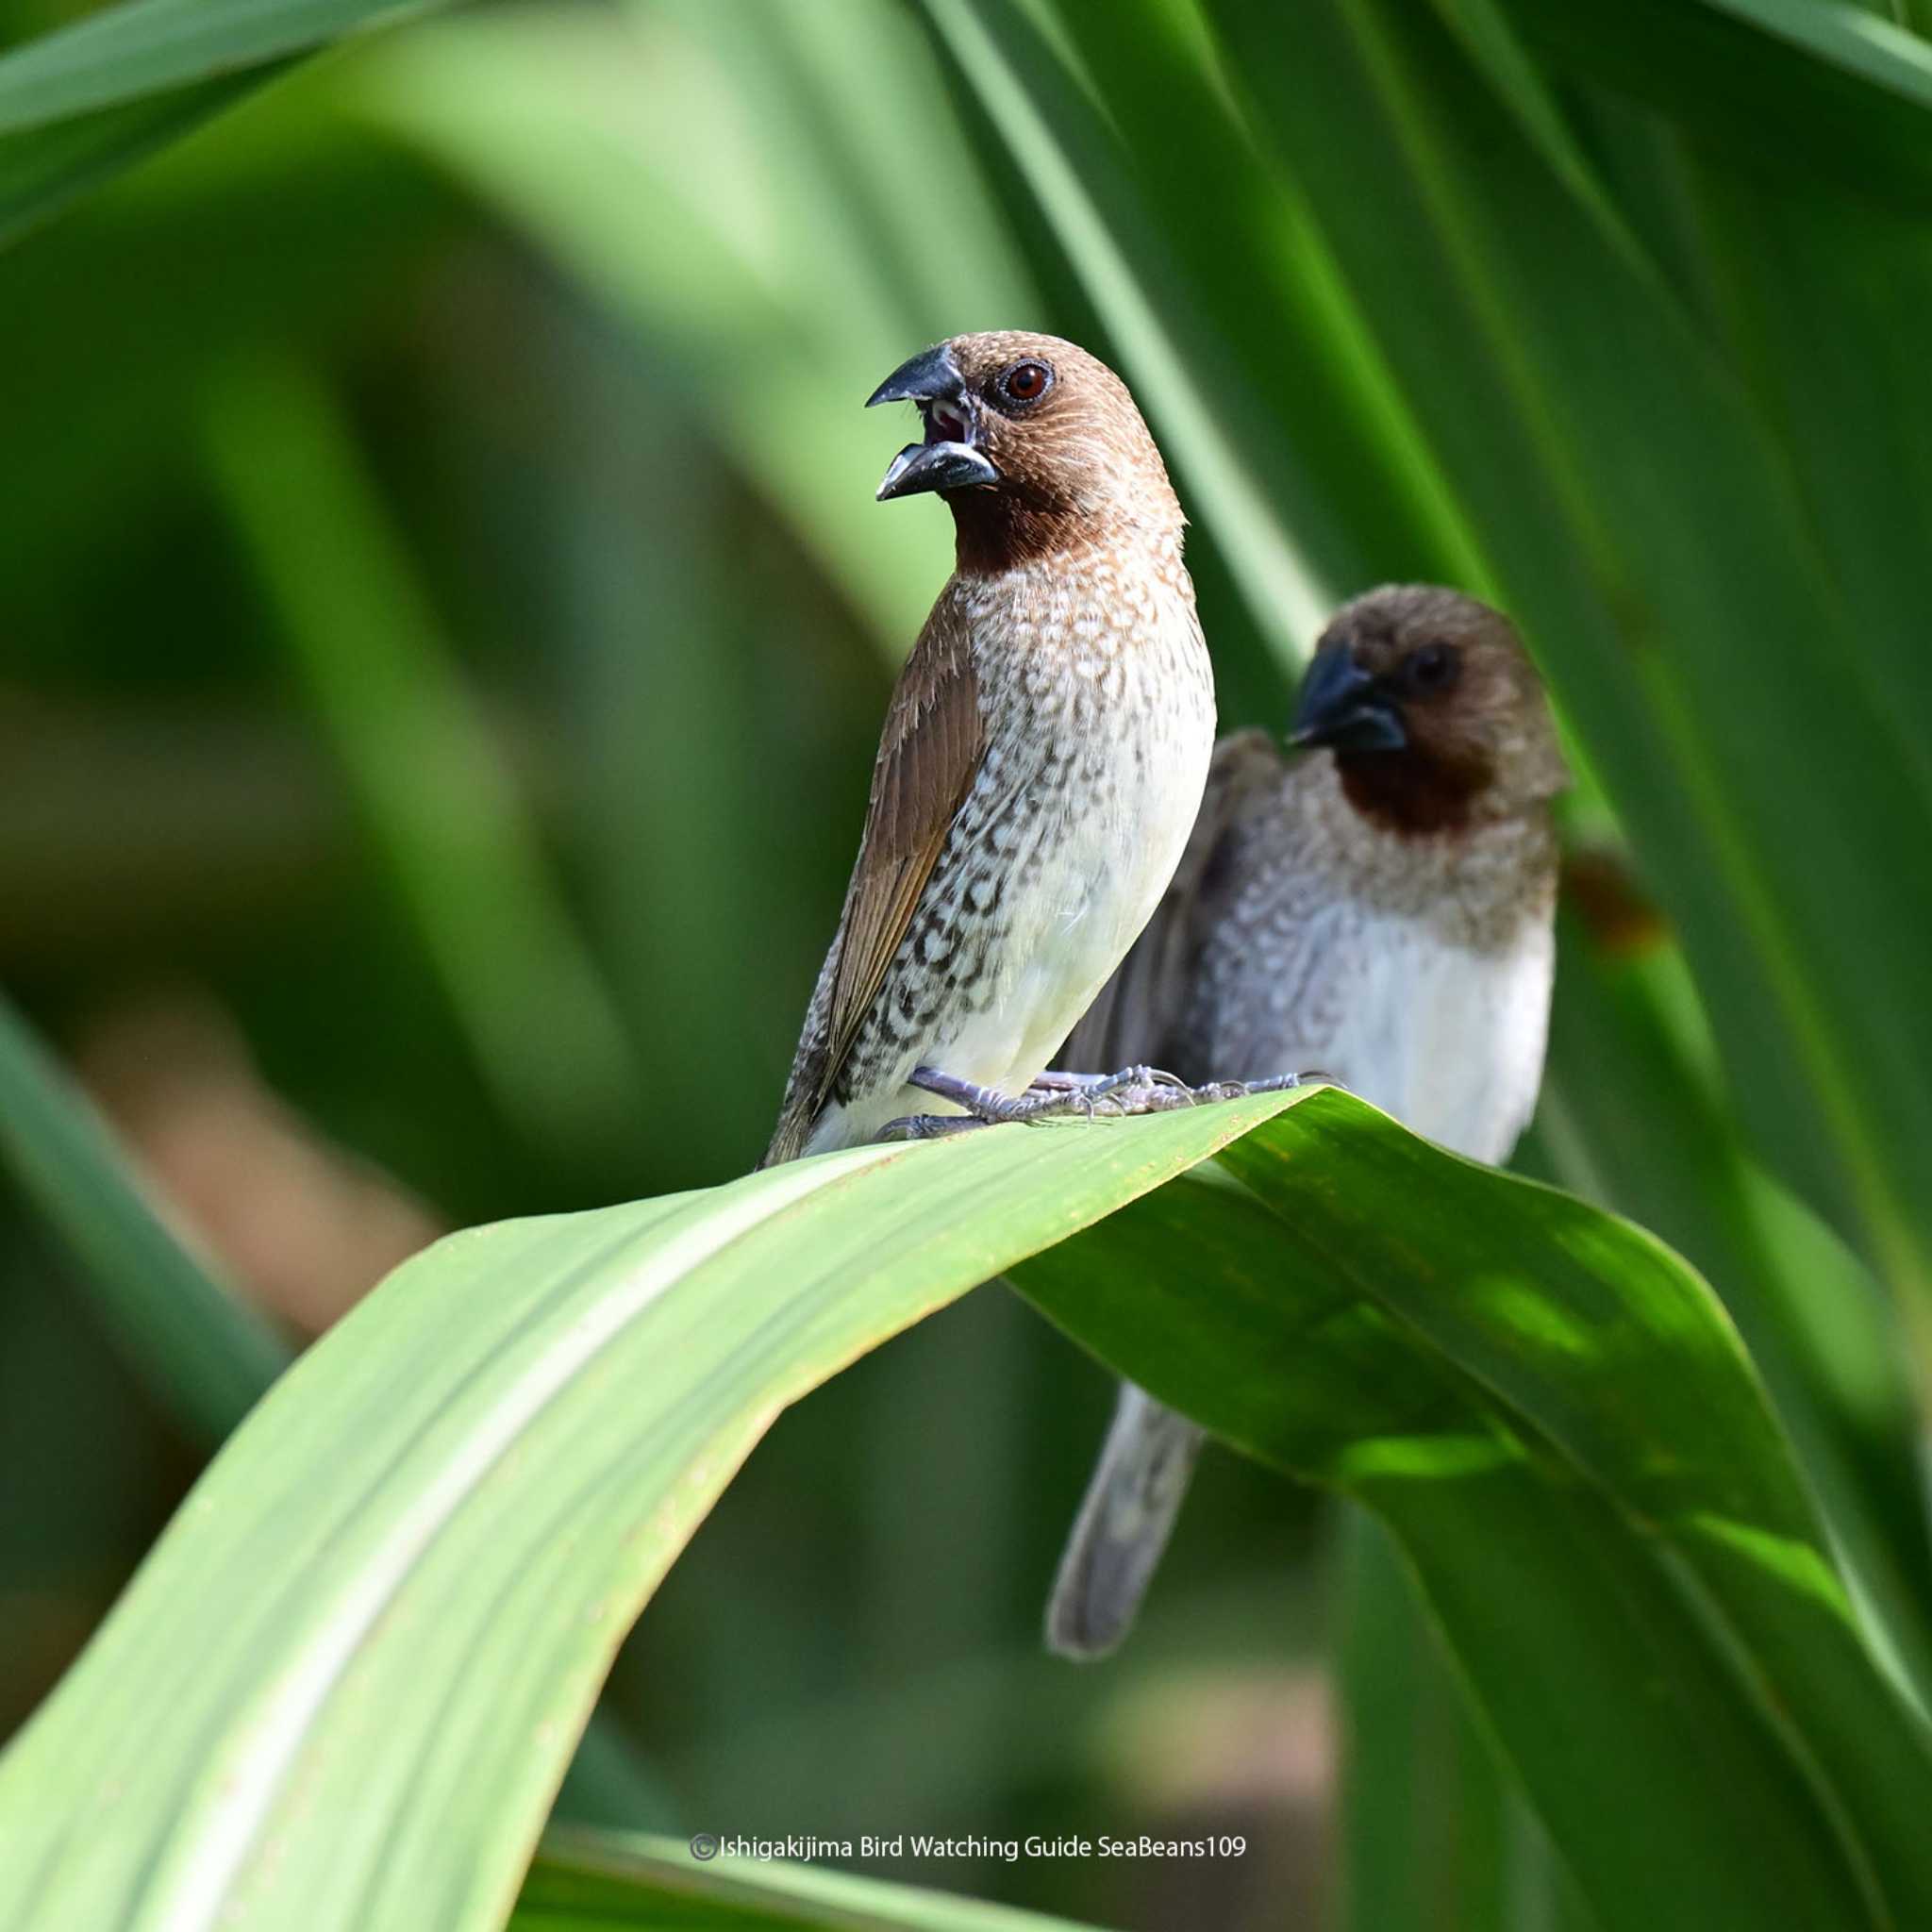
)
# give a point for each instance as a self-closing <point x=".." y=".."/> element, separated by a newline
<point x="1042" y="759"/>
<point x="1380" y="907"/>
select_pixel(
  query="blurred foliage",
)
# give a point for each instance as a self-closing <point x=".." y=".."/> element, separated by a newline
<point x="444" y="627"/>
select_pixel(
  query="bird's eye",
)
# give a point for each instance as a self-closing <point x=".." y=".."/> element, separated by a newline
<point x="1025" y="382"/>
<point x="1433" y="667"/>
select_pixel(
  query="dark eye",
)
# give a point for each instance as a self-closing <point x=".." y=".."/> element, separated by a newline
<point x="1025" y="382"/>
<point x="1433" y="667"/>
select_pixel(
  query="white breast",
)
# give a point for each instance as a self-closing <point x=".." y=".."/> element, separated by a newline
<point x="1103" y="875"/>
<point x="1448" y="1040"/>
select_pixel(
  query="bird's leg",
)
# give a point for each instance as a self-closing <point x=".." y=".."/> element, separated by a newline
<point x="929" y="1127"/>
<point x="1054" y="1081"/>
<point x="1130" y="1080"/>
<point x="982" y="1103"/>
<point x="1146" y="1090"/>
<point x="1054" y="1089"/>
<point x="1132" y="1091"/>
<point x="1276" y="1083"/>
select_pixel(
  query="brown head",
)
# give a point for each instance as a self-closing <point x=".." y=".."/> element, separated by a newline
<point x="1035" y="445"/>
<point x="1434" y="712"/>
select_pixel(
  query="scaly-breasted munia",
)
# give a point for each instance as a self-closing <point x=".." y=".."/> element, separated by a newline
<point x="1042" y="759"/>
<point x="1380" y="908"/>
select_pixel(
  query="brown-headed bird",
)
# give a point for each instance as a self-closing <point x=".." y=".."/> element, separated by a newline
<point x="1378" y="908"/>
<point x="1042" y="759"/>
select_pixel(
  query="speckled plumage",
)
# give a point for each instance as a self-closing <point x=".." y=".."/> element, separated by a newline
<point x="1308" y="927"/>
<point x="1416" y="970"/>
<point x="1002" y="875"/>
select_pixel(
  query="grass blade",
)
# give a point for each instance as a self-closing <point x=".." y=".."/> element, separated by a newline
<point x="206" y="1353"/>
<point x="432" y="783"/>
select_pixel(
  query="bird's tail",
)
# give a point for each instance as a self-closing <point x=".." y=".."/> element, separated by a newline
<point x="1123" y="1525"/>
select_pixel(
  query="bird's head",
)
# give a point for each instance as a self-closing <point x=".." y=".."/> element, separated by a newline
<point x="1432" y="708"/>
<point x="1035" y="445"/>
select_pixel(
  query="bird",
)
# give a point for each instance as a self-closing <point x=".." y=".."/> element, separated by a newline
<point x="1042" y="759"/>
<point x="1377" y="905"/>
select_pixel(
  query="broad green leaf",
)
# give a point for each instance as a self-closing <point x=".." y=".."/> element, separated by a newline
<point x="481" y="1473"/>
<point x="1628" y="1110"/>
<point x="204" y="1354"/>
<point x="476" y="1478"/>
<point x="583" y="1882"/>
<point x="1433" y="1830"/>
<point x="1558" y="1425"/>
<point x="1627" y="1122"/>
<point x="80" y="104"/>
<point x="1421" y="1806"/>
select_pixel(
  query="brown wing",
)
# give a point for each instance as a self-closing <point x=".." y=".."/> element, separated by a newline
<point x="929" y="754"/>
<point x="1137" y="1013"/>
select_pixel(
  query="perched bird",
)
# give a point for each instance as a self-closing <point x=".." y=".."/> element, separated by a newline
<point x="1379" y="908"/>
<point x="1042" y="759"/>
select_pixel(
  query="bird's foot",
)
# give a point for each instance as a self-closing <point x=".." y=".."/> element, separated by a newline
<point x="1056" y="1092"/>
<point x="1276" y="1083"/>
<point x="1279" y="1083"/>
<point x="986" y="1104"/>
<point x="1143" y="1089"/>
<point x="929" y="1127"/>
<point x="1132" y="1091"/>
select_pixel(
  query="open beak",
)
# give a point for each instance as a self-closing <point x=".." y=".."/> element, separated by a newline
<point x="1342" y="707"/>
<point x="950" y="457"/>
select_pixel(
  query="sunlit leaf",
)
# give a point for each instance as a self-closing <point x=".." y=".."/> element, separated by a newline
<point x="482" y="1473"/>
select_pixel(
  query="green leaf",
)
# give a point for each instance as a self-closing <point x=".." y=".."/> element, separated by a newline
<point x="1557" y="1424"/>
<point x="151" y="46"/>
<point x="1641" y="522"/>
<point x="477" y="1477"/>
<point x="433" y="784"/>
<point x="43" y="168"/>
<point x="206" y="1353"/>
<point x="79" y="105"/>
<point x="778" y="283"/>
<point x="1166" y="343"/>
<point x="592" y="1882"/>
<point x="1434" y="1830"/>
<point x="1855" y="88"/>
<point x="1627" y="1120"/>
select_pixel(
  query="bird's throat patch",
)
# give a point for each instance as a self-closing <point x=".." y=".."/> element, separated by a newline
<point x="1415" y="791"/>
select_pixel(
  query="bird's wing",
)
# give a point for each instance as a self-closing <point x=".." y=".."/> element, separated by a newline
<point x="929" y="753"/>
<point x="1136" y="1015"/>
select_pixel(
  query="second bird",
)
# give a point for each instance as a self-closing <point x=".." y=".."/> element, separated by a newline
<point x="1379" y="908"/>
<point x="1043" y="757"/>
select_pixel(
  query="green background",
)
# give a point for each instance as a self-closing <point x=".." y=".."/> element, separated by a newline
<point x="443" y="627"/>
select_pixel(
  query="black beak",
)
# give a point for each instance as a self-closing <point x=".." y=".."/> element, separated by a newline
<point x="1343" y="706"/>
<point x="949" y="458"/>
